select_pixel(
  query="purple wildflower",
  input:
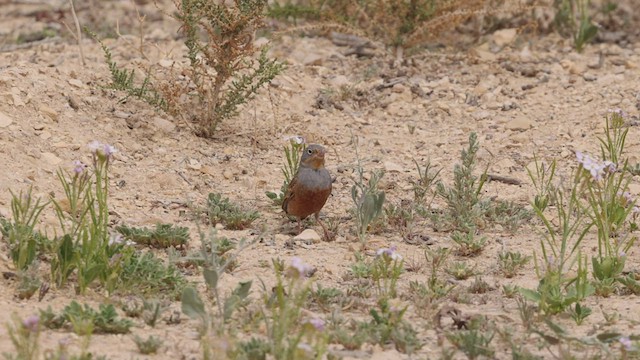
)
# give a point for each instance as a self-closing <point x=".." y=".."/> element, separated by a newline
<point x="626" y="342"/>
<point x="300" y="267"/>
<point x="79" y="167"/>
<point x="618" y="112"/>
<point x="31" y="323"/>
<point x="317" y="323"/>
<point x="389" y="252"/>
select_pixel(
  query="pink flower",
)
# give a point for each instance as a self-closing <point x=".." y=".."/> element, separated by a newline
<point x="317" y="323"/>
<point x="300" y="267"/>
<point x="389" y="252"/>
<point x="31" y="323"/>
<point x="79" y="167"/>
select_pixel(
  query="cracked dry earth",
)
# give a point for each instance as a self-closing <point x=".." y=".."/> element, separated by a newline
<point x="520" y="95"/>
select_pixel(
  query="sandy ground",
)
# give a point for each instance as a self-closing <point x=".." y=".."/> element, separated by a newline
<point x="522" y="96"/>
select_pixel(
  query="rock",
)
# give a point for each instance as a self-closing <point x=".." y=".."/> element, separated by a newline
<point x="309" y="236"/>
<point x="50" y="158"/>
<point x="392" y="167"/>
<point x="339" y="81"/>
<point x="45" y="135"/>
<point x="209" y="170"/>
<point x="504" y="37"/>
<point x="38" y="127"/>
<point x="77" y="83"/>
<point x="49" y="112"/>
<point x="121" y="114"/>
<point x="589" y="77"/>
<point x="194" y="164"/>
<point x="163" y="124"/>
<point x="227" y="174"/>
<point x="480" y="115"/>
<point x="519" y="124"/>
<point x="17" y="99"/>
<point x="5" y="120"/>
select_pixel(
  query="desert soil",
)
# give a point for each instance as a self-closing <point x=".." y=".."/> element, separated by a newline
<point x="523" y="95"/>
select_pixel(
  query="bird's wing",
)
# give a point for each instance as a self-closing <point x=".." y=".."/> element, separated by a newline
<point x="290" y="192"/>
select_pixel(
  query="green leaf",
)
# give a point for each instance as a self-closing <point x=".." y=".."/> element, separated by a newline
<point x="530" y="294"/>
<point x="608" y="337"/>
<point x="192" y="305"/>
<point x="210" y="277"/>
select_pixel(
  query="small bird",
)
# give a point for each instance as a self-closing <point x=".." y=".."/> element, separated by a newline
<point x="309" y="188"/>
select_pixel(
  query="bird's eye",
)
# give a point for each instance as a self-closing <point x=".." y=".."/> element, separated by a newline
<point x="309" y="151"/>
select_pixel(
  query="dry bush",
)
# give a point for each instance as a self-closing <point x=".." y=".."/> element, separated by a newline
<point x="400" y="24"/>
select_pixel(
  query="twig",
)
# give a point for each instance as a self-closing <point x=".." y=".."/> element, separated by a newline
<point x="79" y="32"/>
<point x="503" y="179"/>
<point x="13" y="47"/>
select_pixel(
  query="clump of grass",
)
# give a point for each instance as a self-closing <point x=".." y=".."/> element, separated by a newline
<point x="292" y="151"/>
<point x="510" y="262"/>
<point x="463" y="198"/>
<point x="146" y="274"/>
<point x="28" y="282"/>
<point x="147" y="346"/>
<point x="468" y="243"/>
<point x="368" y="200"/>
<point x="86" y="320"/>
<point x="222" y="210"/>
<point x="163" y="236"/>
<point x="124" y="80"/>
<point x="423" y="186"/>
<point x="460" y="270"/>
<point x="23" y="241"/>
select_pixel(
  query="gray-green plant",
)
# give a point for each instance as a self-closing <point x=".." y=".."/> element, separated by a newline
<point x="423" y="186"/>
<point x="559" y="286"/>
<point x="573" y="17"/>
<point x="150" y="345"/>
<point x="221" y="210"/>
<point x="388" y="325"/>
<point x="474" y="343"/>
<point x="86" y="246"/>
<point x="608" y="203"/>
<point x="542" y="181"/>
<point x="436" y="286"/>
<point x="84" y="320"/>
<point x="292" y="150"/>
<point x="290" y="335"/>
<point x="460" y="270"/>
<point x="385" y="272"/>
<point x="463" y="198"/>
<point x="368" y="201"/>
<point x="222" y="66"/>
<point x="28" y="282"/>
<point x="579" y="313"/>
<point x="23" y="241"/>
<point x="24" y="335"/>
<point x="125" y="80"/>
<point x="215" y="320"/>
<point x="162" y="236"/>
<point x="468" y="244"/>
<point x="145" y="274"/>
<point x="510" y="262"/>
<point x="479" y="286"/>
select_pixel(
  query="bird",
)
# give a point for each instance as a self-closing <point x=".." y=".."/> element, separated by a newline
<point x="309" y="188"/>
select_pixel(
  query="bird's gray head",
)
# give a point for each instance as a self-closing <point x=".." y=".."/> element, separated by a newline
<point x="313" y="157"/>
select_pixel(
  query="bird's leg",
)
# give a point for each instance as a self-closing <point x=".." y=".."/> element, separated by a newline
<point x="299" y="225"/>
<point x="324" y="228"/>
